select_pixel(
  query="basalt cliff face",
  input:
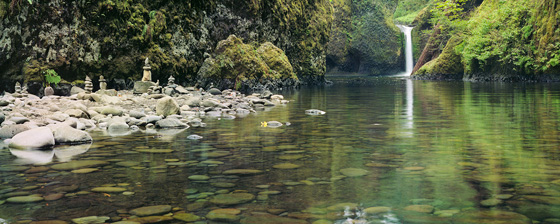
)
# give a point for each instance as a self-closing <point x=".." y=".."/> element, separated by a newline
<point x="113" y="37"/>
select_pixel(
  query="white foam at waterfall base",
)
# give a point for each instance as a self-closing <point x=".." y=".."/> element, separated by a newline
<point x="409" y="62"/>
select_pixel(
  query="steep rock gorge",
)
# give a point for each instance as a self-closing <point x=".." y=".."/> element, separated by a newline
<point x="502" y="40"/>
<point x="113" y="37"/>
<point x="364" y="38"/>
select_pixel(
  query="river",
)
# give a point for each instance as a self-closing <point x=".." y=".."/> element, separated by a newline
<point x="388" y="150"/>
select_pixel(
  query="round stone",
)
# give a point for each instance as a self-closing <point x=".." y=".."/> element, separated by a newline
<point x="151" y="210"/>
<point x="420" y="208"/>
<point x="85" y="170"/>
<point x="224" y="215"/>
<point x="199" y="177"/>
<point x="242" y="172"/>
<point x="353" y="172"/>
<point x="377" y="210"/>
<point x="25" y="199"/>
<point x="78" y="164"/>
<point x="232" y="199"/>
<point x="286" y="166"/>
<point x="186" y="217"/>
<point x="109" y="189"/>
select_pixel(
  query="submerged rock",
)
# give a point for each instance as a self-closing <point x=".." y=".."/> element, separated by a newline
<point x="151" y="210"/>
<point x="314" y="112"/>
<point x="232" y="199"/>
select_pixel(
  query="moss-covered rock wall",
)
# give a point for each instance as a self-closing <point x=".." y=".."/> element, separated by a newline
<point x="364" y="38"/>
<point x="503" y="40"/>
<point x="113" y="37"/>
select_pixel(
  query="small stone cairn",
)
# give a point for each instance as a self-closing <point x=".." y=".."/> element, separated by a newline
<point x="102" y="83"/>
<point x="146" y="85"/>
<point x="89" y="85"/>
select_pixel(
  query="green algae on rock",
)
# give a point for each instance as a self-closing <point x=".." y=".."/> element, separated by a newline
<point x="240" y="66"/>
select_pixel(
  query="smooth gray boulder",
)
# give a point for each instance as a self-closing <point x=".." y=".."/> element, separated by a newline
<point x="64" y="134"/>
<point x="171" y="123"/>
<point x="11" y="130"/>
<point x="33" y="138"/>
<point x="167" y="106"/>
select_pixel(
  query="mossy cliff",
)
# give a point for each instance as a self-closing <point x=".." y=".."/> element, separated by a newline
<point x="245" y="67"/>
<point x="364" y="38"/>
<point x="503" y="40"/>
<point x="113" y="37"/>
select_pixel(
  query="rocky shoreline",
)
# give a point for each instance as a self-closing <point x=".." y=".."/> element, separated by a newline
<point x="30" y="122"/>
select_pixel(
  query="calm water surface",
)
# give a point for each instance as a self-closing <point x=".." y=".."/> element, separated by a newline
<point x="421" y="152"/>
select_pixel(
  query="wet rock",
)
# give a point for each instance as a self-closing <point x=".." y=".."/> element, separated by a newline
<point x="171" y="123"/>
<point x="78" y="164"/>
<point x="186" y="217"/>
<point x="353" y="172"/>
<point x="242" y="172"/>
<point x="91" y="220"/>
<point x="199" y="177"/>
<point x="491" y="216"/>
<point x="25" y="199"/>
<point x="314" y="112"/>
<point x="286" y="166"/>
<point x="37" y="169"/>
<point x="33" y="138"/>
<point x="152" y="219"/>
<point x="343" y="206"/>
<point x="224" y="215"/>
<point x="53" y="197"/>
<point x="216" y="154"/>
<point x="167" y="106"/>
<point x="85" y="170"/>
<point x="270" y="219"/>
<point x="420" y="208"/>
<point x="108" y="189"/>
<point x="232" y="199"/>
<point x="194" y="137"/>
<point x="151" y="210"/>
<point x="49" y="222"/>
<point x="377" y="210"/>
<point x="274" y="124"/>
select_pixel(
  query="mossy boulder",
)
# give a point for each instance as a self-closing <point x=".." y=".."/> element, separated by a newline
<point x="447" y="66"/>
<point x="243" y="67"/>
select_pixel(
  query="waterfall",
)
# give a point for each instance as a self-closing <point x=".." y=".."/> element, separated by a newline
<point x="408" y="49"/>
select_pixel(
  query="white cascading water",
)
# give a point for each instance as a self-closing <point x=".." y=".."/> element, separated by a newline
<point x="407" y="30"/>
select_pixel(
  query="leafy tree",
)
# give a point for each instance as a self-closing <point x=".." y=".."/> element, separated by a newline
<point x="51" y="77"/>
<point x="448" y="14"/>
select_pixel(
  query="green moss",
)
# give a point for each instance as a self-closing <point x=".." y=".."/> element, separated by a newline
<point x="3" y="9"/>
<point x="447" y="64"/>
<point x="237" y="63"/>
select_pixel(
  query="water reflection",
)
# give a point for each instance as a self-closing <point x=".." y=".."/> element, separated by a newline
<point x="474" y="152"/>
<point x="32" y="156"/>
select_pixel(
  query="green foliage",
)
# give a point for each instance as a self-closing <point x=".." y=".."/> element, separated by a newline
<point x="51" y="77"/>
<point x="448" y="15"/>
<point x="407" y="10"/>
